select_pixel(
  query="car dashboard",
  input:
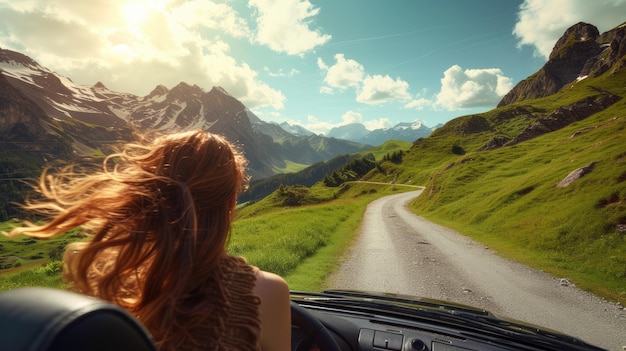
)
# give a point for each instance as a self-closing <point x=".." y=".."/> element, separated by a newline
<point x="375" y="323"/>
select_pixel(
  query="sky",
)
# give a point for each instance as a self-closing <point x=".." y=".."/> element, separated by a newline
<point x="315" y="63"/>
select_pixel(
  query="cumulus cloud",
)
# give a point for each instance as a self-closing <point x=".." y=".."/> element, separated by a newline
<point x="418" y="104"/>
<point x="381" y="123"/>
<point x="283" y="25"/>
<point x="322" y="127"/>
<point x="472" y="88"/>
<point x="134" y="45"/>
<point x="345" y="73"/>
<point x="541" y="23"/>
<point x="207" y="14"/>
<point x="316" y="125"/>
<point x="370" y="89"/>
<point x="281" y="73"/>
<point x="351" y="117"/>
<point x="379" y="89"/>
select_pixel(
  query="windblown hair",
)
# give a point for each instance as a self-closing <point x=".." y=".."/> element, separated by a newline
<point x="157" y="215"/>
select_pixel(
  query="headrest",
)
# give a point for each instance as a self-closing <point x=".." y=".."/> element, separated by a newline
<point x="50" y="319"/>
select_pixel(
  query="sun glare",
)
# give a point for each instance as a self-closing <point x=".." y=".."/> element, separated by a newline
<point x="135" y="12"/>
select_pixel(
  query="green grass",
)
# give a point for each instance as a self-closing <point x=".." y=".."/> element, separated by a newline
<point x="290" y="167"/>
<point x="387" y="147"/>
<point x="302" y="243"/>
<point x="508" y="199"/>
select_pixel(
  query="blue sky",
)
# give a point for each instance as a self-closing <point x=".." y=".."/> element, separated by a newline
<point x="316" y="63"/>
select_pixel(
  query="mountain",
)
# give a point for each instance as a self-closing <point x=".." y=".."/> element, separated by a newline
<point x="579" y="54"/>
<point x="351" y="131"/>
<point x="46" y="119"/>
<point x="296" y="129"/>
<point x="407" y="131"/>
<point x="40" y="104"/>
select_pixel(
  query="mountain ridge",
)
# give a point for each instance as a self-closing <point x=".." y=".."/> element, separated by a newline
<point x="102" y="117"/>
<point x="581" y="52"/>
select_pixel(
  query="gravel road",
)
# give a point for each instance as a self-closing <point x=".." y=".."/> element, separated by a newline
<point x="399" y="252"/>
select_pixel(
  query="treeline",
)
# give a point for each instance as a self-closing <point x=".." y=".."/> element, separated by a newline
<point x="15" y="174"/>
<point x="307" y="177"/>
<point x="350" y="171"/>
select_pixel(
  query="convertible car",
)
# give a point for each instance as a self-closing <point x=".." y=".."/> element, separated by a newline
<point x="48" y="319"/>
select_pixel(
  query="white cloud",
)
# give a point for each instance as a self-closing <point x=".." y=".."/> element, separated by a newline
<point x="283" y="25"/>
<point x="472" y="88"/>
<point x="418" y="104"/>
<point x="541" y="23"/>
<point x="351" y="117"/>
<point x="326" y="90"/>
<point x="317" y="126"/>
<point x="381" y="123"/>
<point x="211" y="15"/>
<point x="345" y="73"/>
<point x="133" y="46"/>
<point x="321" y="64"/>
<point x="322" y="127"/>
<point x="370" y="89"/>
<point x="281" y="73"/>
<point x="379" y="89"/>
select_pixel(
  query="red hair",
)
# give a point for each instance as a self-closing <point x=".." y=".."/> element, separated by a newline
<point x="158" y="218"/>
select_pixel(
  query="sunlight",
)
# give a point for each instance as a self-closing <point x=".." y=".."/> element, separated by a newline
<point x="135" y="12"/>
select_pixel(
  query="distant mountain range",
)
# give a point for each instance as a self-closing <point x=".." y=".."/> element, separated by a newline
<point x="46" y="113"/>
<point x="356" y="132"/>
<point x="401" y="131"/>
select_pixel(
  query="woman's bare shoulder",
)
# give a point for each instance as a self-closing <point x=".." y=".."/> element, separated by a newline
<point x="270" y="284"/>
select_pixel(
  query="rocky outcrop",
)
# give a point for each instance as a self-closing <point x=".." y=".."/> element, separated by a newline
<point x="575" y="175"/>
<point x="564" y="116"/>
<point x="581" y="52"/>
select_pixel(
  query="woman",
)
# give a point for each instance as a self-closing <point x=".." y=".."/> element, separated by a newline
<point x="158" y="217"/>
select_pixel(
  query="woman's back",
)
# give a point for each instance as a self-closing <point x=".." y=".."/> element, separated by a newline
<point x="157" y="219"/>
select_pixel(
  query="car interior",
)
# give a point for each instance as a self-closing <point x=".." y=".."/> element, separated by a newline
<point x="45" y="319"/>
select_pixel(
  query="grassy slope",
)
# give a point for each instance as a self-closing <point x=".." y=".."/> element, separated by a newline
<point x="303" y="243"/>
<point x="508" y="199"/>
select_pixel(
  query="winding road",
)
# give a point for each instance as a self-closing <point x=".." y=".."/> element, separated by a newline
<point x="400" y="252"/>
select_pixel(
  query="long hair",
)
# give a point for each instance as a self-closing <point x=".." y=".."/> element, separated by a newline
<point x="158" y="216"/>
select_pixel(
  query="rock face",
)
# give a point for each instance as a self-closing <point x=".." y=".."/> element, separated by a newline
<point x="564" y="116"/>
<point x="581" y="52"/>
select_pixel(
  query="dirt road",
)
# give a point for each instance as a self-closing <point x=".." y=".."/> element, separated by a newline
<point x="400" y="252"/>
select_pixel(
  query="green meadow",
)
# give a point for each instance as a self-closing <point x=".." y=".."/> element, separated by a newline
<point x="303" y="244"/>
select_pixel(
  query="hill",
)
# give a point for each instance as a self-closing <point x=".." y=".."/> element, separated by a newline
<point x="541" y="180"/>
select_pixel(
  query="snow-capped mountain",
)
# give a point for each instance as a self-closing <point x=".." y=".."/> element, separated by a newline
<point x="407" y="131"/>
<point x="39" y="108"/>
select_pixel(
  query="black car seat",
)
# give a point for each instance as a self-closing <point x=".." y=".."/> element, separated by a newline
<point x="47" y="319"/>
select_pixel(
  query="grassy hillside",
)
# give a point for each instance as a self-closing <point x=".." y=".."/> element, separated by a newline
<point x="508" y="198"/>
<point x="302" y="243"/>
<point x="297" y="231"/>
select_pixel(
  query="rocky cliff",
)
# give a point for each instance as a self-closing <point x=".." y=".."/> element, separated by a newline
<point x="580" y="53"/>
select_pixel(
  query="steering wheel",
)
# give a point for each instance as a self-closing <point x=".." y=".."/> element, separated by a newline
<point x="313" y="328"/>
